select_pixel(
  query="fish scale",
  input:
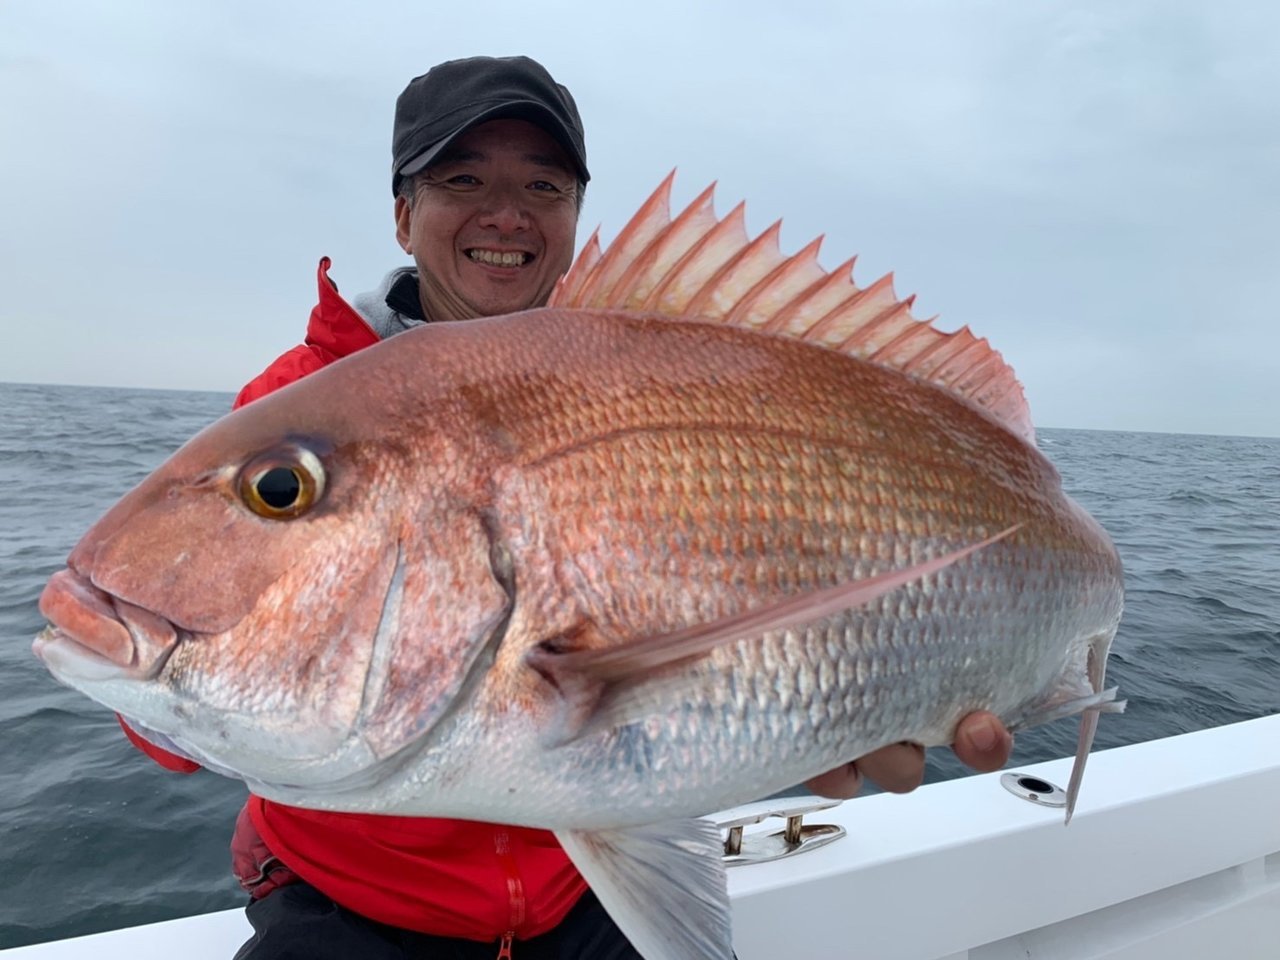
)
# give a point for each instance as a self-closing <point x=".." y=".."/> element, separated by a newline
<point x="689" y="577"/>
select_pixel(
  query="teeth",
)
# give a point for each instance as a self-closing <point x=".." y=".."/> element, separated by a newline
<point x="498" y="259"/>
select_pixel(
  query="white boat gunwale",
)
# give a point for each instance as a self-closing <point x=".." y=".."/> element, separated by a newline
<point x="1174" y="853"/>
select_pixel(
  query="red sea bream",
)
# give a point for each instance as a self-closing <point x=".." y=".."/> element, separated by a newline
<point x="713" y="522"/>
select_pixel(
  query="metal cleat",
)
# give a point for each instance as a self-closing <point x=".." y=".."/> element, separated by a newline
<point x="796" y="837"/>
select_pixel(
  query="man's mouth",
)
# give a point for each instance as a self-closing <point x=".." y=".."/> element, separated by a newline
<point x="499" y="258"/>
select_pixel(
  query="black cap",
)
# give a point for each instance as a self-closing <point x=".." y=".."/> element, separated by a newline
<point x="453" y="97"/>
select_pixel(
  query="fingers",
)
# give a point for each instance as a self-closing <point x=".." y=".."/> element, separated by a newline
<point x="982" y="742"/>
<point x="840" y="784"/>
<point x="897" y="768"/>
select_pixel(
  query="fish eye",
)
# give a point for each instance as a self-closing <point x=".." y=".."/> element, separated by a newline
<point x="283" y="484"/>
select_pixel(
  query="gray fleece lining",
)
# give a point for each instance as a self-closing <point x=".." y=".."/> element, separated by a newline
<point x="385" y="321"/>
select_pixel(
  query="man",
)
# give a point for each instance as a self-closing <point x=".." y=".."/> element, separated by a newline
<point x="489" y="168"/>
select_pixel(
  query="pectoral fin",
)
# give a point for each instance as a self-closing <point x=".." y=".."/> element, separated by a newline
<point x="663" y="884"/>
<point x="598" y="686"/>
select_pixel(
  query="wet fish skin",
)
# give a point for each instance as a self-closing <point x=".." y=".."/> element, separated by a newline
<point x="684" y="488"/>
<point x="605" y="547"/>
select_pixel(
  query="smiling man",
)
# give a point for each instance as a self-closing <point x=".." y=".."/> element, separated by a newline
<point x="491" y="222"/>
<point x="490" y="169"/>
<point x="488" y="173"/>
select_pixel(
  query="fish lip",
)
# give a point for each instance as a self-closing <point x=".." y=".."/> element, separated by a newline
<point x="80" y="668"/>
<point x="69" y="660"/>
<point x="96" y="628"/>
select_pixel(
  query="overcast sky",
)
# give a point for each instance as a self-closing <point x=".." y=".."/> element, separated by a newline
<point x="1094" y="186"/>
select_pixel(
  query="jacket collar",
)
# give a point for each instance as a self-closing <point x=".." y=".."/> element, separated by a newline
<point x="335" y="326"/>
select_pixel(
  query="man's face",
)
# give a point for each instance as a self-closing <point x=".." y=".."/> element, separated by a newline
<point x="492" y="223"/>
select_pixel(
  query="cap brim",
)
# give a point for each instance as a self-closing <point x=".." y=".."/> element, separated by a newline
<point x="528" y="110"/>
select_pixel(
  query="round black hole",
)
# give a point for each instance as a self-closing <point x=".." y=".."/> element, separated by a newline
<point x="1034" y="785"/>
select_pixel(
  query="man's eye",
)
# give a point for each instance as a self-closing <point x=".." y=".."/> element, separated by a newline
<point x="465" y="179"/>
<point x="544" y="185"/>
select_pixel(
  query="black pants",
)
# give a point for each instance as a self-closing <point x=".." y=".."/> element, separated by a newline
<point x="298" y="922"/>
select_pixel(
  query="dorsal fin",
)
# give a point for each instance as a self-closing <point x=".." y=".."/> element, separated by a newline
<point x="698" y="266"/>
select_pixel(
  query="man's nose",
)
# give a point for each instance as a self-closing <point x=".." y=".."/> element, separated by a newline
<point x="506" y="211"/>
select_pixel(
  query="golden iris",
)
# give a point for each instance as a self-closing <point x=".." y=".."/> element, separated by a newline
<point x="283" y="484"/>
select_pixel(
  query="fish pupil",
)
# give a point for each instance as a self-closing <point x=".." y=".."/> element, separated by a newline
<point x="279" y="488"/>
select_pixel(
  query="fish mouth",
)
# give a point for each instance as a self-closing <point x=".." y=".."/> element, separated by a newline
<point x="201" y="733"/>
<point x="117" y="654"/>
<point x="96" y="636"/>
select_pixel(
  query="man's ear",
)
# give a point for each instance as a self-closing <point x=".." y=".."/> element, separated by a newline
<point x="404" y="213"/>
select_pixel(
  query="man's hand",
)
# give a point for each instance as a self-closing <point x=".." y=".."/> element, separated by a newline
<point x="981" y="742"/>
<point x="256" y="867"/>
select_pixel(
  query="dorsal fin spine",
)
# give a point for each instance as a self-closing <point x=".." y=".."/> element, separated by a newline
<point x="733" y="221"/>
<point x="863" y="334"/>
<point x="898" y="323"/>
<point x="700" y="268"/>
<point x="818" y="332"/>
<point x="813" y="292"/>
<point x="663" y="245"/>
<point x="953" y="364"/>
<point x="658" y="246"/>
<point x="654" y="212"/>
<point x="806" y="260"/>
<point x="998" y="388"/>
<point x="901" y="342"/>
<point x="987" y="369"/>
<point x="927" y="358"/>
<point x="570" y="285"/>
<point x="959" y="365"/>
<point x="699" y="302"/>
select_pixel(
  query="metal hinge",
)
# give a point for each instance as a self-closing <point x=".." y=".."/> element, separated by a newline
<point x="796" y="837"/>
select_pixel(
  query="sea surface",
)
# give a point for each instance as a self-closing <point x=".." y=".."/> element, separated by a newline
<point x="94" y="836"/>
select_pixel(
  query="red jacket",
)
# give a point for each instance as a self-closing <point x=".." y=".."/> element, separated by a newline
<point x="455" y="878"/>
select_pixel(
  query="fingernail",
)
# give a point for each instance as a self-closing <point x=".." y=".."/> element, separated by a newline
<point x="984" y="736"/>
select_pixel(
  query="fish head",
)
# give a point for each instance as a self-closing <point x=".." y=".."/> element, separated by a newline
<point x="293" y="597"/>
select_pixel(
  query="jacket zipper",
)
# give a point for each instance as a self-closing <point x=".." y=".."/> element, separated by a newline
<point x="515" y="891"/>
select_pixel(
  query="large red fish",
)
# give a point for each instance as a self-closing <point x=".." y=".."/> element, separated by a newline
<point x="712" y="523"/>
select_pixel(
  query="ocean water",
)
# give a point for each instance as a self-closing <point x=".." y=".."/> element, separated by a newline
<point x="94" y="836"/>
